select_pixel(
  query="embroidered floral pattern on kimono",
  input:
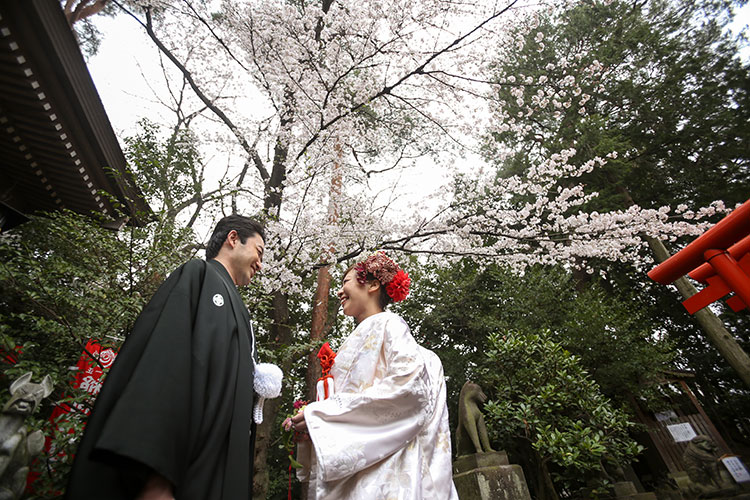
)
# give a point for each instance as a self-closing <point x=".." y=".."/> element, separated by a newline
<point x="385" y="432"/>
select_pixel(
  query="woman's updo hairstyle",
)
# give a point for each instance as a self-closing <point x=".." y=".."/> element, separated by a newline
<point x="394" y="281"/>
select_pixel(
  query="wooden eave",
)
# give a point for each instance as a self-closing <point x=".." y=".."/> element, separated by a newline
<point x="57" y="146"/>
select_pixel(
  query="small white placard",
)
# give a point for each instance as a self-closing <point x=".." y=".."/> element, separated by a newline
<point x="737" y="469"/>
<point x="665" y="415"/>
<point x="681" y="432"/>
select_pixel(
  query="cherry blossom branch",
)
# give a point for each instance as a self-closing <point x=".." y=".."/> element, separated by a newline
<point x="214" y="34"/>
<point x="388" y="89"/>
<point x="148" y="26"/>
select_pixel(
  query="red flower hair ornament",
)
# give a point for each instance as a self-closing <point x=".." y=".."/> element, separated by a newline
<point x="398" y="288"/>
<point x="395" y="280"/>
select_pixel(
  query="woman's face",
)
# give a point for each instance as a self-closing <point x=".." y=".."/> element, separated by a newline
<point x="358" y="300"/>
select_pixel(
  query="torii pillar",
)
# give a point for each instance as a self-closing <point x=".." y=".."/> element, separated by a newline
<point x="719" y="258"/>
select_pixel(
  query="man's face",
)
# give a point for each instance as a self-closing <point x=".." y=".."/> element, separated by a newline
<point x="247" y="258"/>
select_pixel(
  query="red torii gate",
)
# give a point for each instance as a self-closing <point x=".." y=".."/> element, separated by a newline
<point x="720" y="258"/>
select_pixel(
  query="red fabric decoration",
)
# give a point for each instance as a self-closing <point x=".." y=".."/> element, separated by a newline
<point x="398" y="288"/>
<point x="361" y="273"/>
<point x="326" y="357"/>
<point x="378" y="265"/>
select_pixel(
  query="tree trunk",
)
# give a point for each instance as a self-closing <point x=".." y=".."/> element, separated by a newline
<point x="282" y="334"/>
<point x="711" y="325"/>
<point x="546" y="481"/>
<point x="317" y="329"/>
<point x="323" y="289"/>
<point x="535" y="469"/>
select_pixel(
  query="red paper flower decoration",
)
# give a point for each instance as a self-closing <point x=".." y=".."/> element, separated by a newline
<point x="398" y="288"/>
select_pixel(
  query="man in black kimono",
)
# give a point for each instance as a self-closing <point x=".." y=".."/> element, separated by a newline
<point x="173" y="419"/>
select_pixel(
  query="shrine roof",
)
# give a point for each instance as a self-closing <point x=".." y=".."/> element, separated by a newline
<point x="57" y="147"/>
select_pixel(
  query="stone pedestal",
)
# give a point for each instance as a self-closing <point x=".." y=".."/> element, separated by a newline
<point x="489" y="476"/>
<point x="729" y="490"/>
<point x="627" y="490"/>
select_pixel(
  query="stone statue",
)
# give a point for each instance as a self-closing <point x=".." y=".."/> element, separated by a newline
<point x="471" y="435"/>
<point x="479" y="472"/>
<point x="701" y="460"/>
<point x="17" y="447"/>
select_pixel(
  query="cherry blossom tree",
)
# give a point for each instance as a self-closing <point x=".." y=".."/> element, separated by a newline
<point x="367" y="88"/>
<point x="345" y="87"/>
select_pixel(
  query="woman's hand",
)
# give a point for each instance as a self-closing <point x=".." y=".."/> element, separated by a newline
<point x="299" y="424"/>
<point x="287" y="424"/>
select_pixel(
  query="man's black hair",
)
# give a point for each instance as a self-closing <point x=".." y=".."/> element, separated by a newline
<point x="245" y="227"/>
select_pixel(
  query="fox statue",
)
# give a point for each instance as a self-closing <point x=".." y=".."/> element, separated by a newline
<point x="17" y="446"/>
<point x="471" y="436"/>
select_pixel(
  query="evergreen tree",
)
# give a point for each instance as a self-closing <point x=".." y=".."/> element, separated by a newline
<point x="614" y="338"/>
<point x="661" y="91"/>
<point x="545" y="407"/>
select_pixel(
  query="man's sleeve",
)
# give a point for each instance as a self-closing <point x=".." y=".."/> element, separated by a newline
<point x="149" y="421"/>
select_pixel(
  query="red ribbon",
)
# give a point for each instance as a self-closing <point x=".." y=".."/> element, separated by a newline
<point x="289" y="491"/>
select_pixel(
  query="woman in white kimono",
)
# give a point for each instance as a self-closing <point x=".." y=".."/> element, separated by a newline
<point x="384" y="433"/>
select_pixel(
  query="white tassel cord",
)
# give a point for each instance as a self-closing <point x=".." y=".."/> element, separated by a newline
<point x="267" y="385"/>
